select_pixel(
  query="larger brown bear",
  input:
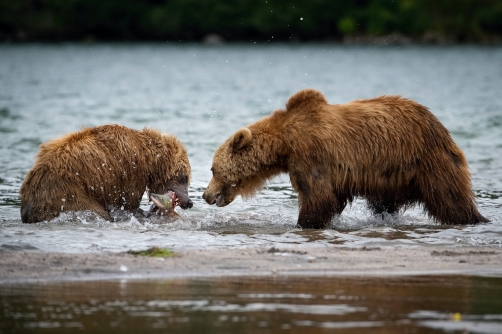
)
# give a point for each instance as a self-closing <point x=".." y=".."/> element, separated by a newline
<point x="104" y="167"/>
<point x="390" y="150"/>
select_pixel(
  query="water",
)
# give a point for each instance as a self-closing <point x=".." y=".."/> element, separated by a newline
<point x="202" y="94"/>
<point x="429" y="304"/>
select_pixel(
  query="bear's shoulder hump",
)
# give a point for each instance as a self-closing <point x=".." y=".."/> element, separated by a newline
<point x="305" y="98"/>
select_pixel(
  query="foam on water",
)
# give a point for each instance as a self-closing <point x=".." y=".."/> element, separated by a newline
<point x="86" y="232"/>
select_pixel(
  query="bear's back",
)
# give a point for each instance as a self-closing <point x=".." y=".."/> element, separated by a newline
<point x="378" y="132"/>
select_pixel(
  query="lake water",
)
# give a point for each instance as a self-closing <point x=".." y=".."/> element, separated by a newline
<point x="452" y="304"/>
<point x="203" y="94"/>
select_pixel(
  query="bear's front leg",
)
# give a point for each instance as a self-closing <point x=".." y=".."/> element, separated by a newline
<point x="317" y="199"/>
<point x="317" y="212"/>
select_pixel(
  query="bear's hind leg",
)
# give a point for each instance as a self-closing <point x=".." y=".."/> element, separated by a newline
<point x="447" y="195"/>
<point x="453" y="209"/>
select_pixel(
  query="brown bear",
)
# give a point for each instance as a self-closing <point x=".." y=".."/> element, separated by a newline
<point x="104" y="167"/>
<point x="390" y="150"/>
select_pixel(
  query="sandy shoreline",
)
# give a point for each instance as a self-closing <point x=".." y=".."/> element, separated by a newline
<point x="24" y="267"/>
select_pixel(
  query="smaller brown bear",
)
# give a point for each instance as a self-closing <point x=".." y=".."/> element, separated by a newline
<point x="390" y="150"/>
<point x="104" y="168"/>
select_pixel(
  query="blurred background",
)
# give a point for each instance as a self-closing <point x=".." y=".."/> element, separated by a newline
<point x="213" y="21"/>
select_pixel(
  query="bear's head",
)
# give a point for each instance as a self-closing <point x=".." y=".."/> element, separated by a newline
<point x="243" y="163"/>
<point x="171" y="172"/>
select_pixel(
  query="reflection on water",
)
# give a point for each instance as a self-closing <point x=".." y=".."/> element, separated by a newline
<point x="258" y="305"/>
<point x="202" y="94"/>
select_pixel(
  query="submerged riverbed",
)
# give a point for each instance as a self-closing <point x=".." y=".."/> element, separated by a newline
<point x="202" y="94"/>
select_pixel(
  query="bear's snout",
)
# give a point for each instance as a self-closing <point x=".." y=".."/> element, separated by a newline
<point x="219" y="193"/>
<point x="185" y="202"/>
<point x="210" y="199"/>
<point x="189" y="204"/>
<point x="181" y="190"/>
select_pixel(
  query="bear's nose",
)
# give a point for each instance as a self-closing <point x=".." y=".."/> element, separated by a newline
<point x="190" y="204"/>
<point x="204" y="195"/>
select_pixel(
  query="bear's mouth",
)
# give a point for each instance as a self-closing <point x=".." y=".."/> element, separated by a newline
<point x="167" y="201"/>
<point x="219" y="200"/>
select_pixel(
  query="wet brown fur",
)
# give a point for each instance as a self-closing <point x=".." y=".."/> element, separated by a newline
<point x="100" y="166"/>
<point x="390" y="150"/>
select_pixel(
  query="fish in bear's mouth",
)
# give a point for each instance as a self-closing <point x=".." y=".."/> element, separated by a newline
<point x="166" y="202"/>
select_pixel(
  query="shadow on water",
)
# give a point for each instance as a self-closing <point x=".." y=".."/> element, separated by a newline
<point x="446" y="304"/>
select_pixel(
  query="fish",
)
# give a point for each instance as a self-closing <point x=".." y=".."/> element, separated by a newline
<point x="164" y="204"/>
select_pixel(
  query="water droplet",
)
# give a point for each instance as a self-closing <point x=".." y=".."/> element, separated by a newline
<point x="63" y="199"/>
<point x="301" y="18"/>
<point x="76" y="173"/>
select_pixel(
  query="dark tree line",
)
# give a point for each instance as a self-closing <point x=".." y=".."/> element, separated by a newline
<point x="244" y="20"/>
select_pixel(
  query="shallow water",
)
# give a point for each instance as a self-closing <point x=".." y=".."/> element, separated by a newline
<point x="203" y="94"/>
<point x="451" y="304"/>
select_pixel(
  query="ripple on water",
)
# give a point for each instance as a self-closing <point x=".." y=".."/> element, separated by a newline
<point x="86" y="232"/>
<point x="254" y="305"/>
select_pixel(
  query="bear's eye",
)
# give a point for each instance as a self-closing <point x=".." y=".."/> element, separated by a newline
<point x="183" y="179"/>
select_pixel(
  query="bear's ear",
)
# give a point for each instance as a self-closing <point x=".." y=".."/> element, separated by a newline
<point x="241" y="139"/>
